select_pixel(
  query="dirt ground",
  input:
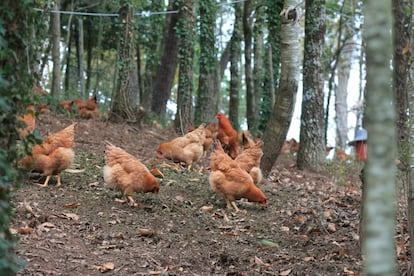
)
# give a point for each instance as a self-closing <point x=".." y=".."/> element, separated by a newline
<point x="310" y="226"/>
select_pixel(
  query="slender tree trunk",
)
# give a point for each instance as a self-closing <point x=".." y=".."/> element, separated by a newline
<point x="186" y="33"/>
<point x="311" y="153"/>
<point x="379" y="205"/>
<point x="152" y="50"/>
<point x="99" y="56"/>
<point x="274" y="25"/>
<point x="125" y="102"/>
<point x="81" y="67"/>
<point x="235" y="54"/>
<point x="166" y="70"/>
<point x="281" y="116"/>
<point x="207" y="83"/>
<point x="410" y="188"/>
<point x="401" y="67"/>
<point x="258" y="70"/>
<point x="248" y="71"/>
<point x="56" y="79"/>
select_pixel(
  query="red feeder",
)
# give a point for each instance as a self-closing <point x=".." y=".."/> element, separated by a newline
<point x="361" y="150"/>
<point x="360" y="143"/>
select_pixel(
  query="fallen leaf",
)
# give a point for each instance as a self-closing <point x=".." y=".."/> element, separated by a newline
<point x="106" y="267"/>
<point x="304" y="237"/>
<point x="308" y="259"/>
<point x="327" y="214"/>
<point x="258" y="261"/>
<point x="268" y="243"/>
<point x="72" y="216"/>
<point x="207" y="208"/>
<point x="179" y="198"/>
<point x="28" y="208"/>
<point x="145" y="232"/>
<point x="331" y="227"/>
<point x="286" y="272"/>
<point x="71" y="205"/>
<point x="299" y="219"/>
<point x="194" y="179"/>
<point x="348" y="272"/>
<point x="47" y="225"/>
<point x="25" y="230"/>
<point x="284" y="229"/>
<point x="94" y="184"/>
<point x="74" y="170"/>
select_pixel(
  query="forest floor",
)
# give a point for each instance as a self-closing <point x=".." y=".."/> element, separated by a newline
<point x="310" y="226"/>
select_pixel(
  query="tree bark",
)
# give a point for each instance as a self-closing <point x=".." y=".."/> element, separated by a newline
<point x="126" y="98"/>
<point x="56" y="79"/>
<point x="274" y="25"/>
<point x="281" y="116"/>
<point x="379" y="205"/>
<point x="311" y="153"/>
<point x="166" y="70"/>
<point x="258" y="69"/>
<point x="235" y="54"/>
<point x="208" y="79"/>
<point x="81" y="67"/>
<point x="184" y="117"/>
<point x="248" y="71"/>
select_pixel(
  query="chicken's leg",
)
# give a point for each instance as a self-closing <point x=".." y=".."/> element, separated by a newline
<point x="235" y="206"/>
<point x="59" y="182"/>
<point x="132" y="201"/>
<point x="46" y="181"/>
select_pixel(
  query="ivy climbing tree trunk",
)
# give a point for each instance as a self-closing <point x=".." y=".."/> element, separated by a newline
<point x="311" y="153"/>
<point x="379" y="205"/>
<point x="208" y="79"/>
<point x="273" y="8"/>
<point x="248" y="71"/>
<point x="185" y="33"/>
<point x="258" y="70"/>
<point x="281" y="116"/>
<point x="56" y="78"/>
<point x="235" y="54"/>
<point x="126" y="98"/>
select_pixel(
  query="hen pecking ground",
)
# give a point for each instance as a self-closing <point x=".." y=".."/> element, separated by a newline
<point x="309" y="228"/>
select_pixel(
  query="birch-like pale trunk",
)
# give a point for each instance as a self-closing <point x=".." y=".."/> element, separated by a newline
<point x="379" y="204"/>
<point x="282" y="111"/>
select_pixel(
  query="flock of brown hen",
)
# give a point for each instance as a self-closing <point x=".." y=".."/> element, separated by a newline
<point x="234" y="170"/>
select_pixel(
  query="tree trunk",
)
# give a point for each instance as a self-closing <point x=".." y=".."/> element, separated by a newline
<point x="379" y="205"/>
<point x="185" y="34"/>
<point x="281" y="116"/>
<point x="258" y="70"/>
<point x="248" y="71"/>
<point x="81" y="67"/>
<point x="56" y="79"/>
<point x="166" y="70"/>
<point x="152" y="49"/>
<point x="207" y="83"/>
<point x="402" y="67"/>
<point x="410" y="184"/>
<point x="311" y="153"/>
<point x="125" y="100"/>
<point x="274" y="25"/>
<point x="235" y="53"/>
